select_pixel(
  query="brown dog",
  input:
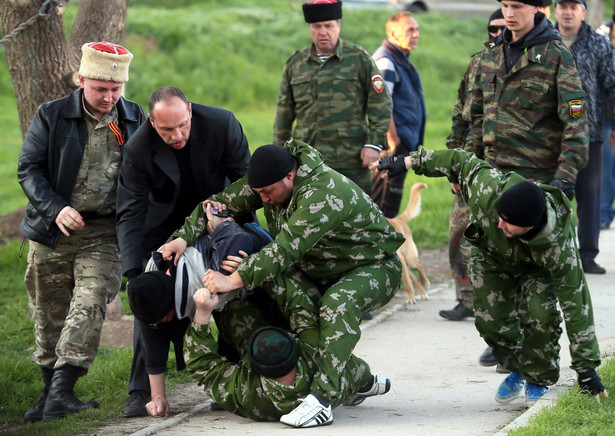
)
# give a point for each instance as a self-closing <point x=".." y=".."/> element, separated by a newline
<point x="408" y="252"/>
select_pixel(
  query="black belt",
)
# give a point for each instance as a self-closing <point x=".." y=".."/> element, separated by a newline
<point x="94" y="216"/>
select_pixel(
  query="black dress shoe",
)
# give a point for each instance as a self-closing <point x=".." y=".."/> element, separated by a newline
<point x="591" y="267"/>
<point x="487" y="359"/>
<point x="458" y="313"/>
<point x="135" y="407"/>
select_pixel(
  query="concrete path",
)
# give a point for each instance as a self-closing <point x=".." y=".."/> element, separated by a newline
<point x="438" y="388"/>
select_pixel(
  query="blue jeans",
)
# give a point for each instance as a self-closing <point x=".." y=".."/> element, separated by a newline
<point x="607" y="195"/>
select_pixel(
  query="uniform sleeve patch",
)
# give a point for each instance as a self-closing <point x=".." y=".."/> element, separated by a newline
<point x="576" y="108"/>
<point x="377" y="83"/>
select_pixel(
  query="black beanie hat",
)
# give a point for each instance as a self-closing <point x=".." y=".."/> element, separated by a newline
<point x="522" y="205"/>
<point x="536" y="3"/>
<point x="151" y="296"/>
<point x="268" y="165"/>
<point x="496" y="15"/>
<point x="272" y="352"/>
<point x="322" y="10"/>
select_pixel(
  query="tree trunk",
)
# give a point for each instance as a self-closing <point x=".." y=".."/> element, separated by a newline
<point x="42" y="63"/>
<point x="595" y="11"/>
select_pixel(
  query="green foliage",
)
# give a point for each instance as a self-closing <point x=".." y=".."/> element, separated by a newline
<point x="576" y="413"/>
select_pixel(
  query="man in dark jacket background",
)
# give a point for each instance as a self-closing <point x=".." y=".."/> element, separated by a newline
<point x="68" y="169"/>
<point x="183" y="155"/>
<point x="596" y="65"/>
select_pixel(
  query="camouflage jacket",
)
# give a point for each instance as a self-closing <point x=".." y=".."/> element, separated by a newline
<point x="552" y="251"/>
<point x="461" y="110"/>
<point x="596" y="65"/>
<point x="530" y="119"/>
<point x="330" y="102"/>
<point x="329" y="227"/>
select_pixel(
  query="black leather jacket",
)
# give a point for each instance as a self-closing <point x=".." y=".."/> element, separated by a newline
<point x="50" y="158"/>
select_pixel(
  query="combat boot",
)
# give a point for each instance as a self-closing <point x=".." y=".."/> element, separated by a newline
<point x="35" y="414"/>
<point x="61" y="401"/>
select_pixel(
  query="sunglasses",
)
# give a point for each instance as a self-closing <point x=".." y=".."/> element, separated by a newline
<point x="494" y="29"/>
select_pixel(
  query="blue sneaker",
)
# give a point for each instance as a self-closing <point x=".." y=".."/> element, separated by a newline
<point x="510" y="388"/>
<point x="534" y="392"/>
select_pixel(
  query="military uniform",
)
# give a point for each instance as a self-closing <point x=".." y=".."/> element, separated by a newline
<point x="541" y="272"/>
<point x="529" y="118"/>
<point x="331" y="235"/>
<point x="72" y="278"/>
<point x="330" y="102"/>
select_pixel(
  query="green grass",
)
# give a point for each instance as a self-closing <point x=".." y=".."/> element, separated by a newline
<point x="577" y="414"/>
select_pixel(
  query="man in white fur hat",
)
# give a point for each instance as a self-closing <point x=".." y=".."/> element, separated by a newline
<point x="68" y="169"/>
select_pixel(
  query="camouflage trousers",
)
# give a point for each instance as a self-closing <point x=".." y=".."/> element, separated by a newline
<point x="342" y="303"/>
<point x="70" y="288"/>
<point x="458" y="250"/>
<point x="502" y="297"/>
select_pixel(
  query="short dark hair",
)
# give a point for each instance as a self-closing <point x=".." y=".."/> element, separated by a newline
<point x="165" y="93"/>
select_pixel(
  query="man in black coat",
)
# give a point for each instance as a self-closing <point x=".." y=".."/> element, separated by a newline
<point x="186" y="153"/>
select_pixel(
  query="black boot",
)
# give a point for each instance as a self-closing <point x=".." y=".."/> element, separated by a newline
<point x="35" y="414"/>
<point x="61" y="401"/>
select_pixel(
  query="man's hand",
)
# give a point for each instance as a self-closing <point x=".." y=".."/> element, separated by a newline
<point x="591" y="383"/>
<point x="69" y="219"/>
<point x="456" y="188"/>
<point x="176" y="248"/>
<point x="566" y="187"/>
<point x="394" y="165"/>
<point x="218" y="283"/>
<point x="369" y="156"/>
<point x="205" y="303"/>
<point x="159" y="406"/>
<point x="231" y="263"/>
<point x="214" y="221"/>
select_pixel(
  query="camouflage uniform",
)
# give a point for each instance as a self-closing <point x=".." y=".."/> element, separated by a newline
<point x="335" y="238"/>
<point x="72" y="278"/>
<point x="541" y="272"/>
<point x="459" y="218"/>
<point x="529" y="119"/>
<point x="240" y="390"/>
<point x="330" y="102"/>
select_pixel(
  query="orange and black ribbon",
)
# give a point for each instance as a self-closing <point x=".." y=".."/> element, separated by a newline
<point x="117" y="132"/>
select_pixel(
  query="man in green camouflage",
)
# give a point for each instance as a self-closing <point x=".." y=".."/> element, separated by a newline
<point x="330" y="88"/>
<point x="68" y="168"/>
<point x="524" y="262"/>
<point x="526" y="104"/>
<point x="258" y="386"/>
<point x="327" y="233"/>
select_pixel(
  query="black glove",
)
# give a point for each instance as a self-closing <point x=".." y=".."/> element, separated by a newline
<point x="394" y="164"/>
<point x="566" y="187"/>
<point x="591" y="383"/>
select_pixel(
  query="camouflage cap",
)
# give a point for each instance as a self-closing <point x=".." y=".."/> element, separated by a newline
<point x="272" y="352"/>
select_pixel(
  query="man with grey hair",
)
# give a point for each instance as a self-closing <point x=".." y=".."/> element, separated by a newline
<point x="68" y="168"/>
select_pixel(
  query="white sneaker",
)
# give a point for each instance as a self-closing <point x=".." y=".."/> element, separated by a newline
<point x="380" y="386"/>
<point x="310" y="413"/>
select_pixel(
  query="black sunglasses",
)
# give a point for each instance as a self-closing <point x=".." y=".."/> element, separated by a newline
<point x="494" y="29"/>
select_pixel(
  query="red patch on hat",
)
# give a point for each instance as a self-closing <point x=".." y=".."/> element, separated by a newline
<point x="322" y="2"/>
<point x="377" y="83"/>
<point x="108" y="47"/>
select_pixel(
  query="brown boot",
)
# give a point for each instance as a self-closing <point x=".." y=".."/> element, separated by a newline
<point x="35" y="414"/>
<point x="61" y="400"/>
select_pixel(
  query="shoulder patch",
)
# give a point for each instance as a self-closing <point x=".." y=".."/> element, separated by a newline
<point x="377" y="83"/>
<point x="575" y="107"/>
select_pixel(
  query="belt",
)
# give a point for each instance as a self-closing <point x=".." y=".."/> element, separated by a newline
<point x="94" y="215"/>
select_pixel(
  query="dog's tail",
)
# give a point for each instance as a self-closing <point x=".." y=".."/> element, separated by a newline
<point x="414" y="203"/>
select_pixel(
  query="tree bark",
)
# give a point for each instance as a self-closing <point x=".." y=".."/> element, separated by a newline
<point x="41" y="61"/>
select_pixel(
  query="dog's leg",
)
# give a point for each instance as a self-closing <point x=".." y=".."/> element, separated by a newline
<point x="407" y="281"/>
